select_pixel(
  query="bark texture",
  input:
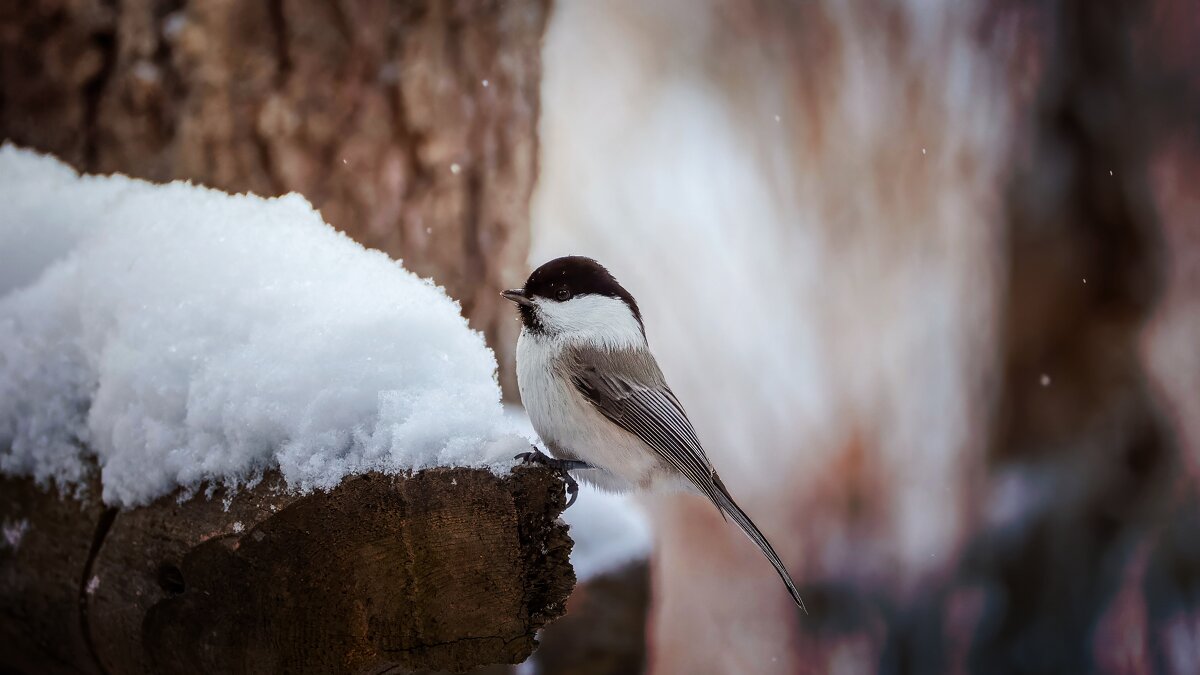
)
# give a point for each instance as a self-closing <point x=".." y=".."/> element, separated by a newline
<point x="448" y="569"/>
<point x="604" y="628"/>
<point x="411" y="126"/>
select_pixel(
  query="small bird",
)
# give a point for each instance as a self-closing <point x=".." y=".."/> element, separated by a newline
<point x="598" y="400"/>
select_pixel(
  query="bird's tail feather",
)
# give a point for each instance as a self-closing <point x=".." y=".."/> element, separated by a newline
<point x="727" y="505"/>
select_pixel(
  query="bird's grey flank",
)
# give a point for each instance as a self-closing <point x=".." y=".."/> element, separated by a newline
<point x="598" y="400"/>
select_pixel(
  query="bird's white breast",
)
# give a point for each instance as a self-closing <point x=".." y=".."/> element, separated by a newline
<point x="570" y="425"/>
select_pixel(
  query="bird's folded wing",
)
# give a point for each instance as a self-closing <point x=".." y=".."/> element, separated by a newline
<point x="629" y="389"/>
<point x="631" y="392"/>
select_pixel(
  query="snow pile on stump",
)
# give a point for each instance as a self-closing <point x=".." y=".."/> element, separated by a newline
<point x="180" y="334"/>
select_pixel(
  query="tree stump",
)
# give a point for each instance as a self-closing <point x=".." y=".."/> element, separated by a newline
<point x="447" y="569"/>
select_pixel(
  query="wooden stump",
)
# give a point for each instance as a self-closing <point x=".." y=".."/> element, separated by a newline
<point x="447" y="569"/>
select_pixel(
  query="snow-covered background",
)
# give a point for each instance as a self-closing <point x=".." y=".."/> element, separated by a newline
<point x="172" y="335"/>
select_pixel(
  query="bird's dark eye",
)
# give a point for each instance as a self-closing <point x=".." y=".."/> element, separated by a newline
<point x="563" y="294"/>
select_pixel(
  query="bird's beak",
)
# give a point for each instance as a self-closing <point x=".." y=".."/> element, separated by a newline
<point x="517" y="295"/>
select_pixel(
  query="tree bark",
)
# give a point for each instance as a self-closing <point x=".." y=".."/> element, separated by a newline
<point x="411" y="126"/>
<point x="447" y="569"/>
<point x="1079" y="417"/>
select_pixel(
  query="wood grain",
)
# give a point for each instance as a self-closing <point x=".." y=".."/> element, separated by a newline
<point x="447" y="569"/>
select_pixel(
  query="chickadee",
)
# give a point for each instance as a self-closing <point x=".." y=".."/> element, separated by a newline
<point x="597" y="398"/>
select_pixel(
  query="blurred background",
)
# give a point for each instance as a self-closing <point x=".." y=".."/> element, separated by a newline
<point x="925" y="274"/>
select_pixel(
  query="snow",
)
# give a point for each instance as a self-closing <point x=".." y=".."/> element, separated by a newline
<point x="609" y="529"/>
<point x="173" y="335"/>
<point x="14" y="532"/>
<point x="174" y="25"/>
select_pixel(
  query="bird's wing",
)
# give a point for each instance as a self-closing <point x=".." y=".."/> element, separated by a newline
<point x="632" y="393"/>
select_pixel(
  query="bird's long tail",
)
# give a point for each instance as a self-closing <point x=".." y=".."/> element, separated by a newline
<point x="725" y="502"/>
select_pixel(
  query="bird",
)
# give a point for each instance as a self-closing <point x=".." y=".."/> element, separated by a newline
<point x="598" y="400"/>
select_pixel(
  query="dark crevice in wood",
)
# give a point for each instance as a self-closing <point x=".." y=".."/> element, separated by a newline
<point x="93" y="92"/>
<point x="451" y="643"/>
<point x="541" y="594"/>
<point x="283" y="56"/>
<point x="474" y="269"/>
<point x="409" y="138"/>
<point x="174" y="86"/>
<point x="344" y="20"/>
<point x="262" y="146"/>
<point x="102" y="528"/>
<point x="277" y="12"/>
<point x="346" y="120"/>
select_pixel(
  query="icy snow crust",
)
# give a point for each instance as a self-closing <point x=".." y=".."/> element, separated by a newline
<point x="178" y="335"/>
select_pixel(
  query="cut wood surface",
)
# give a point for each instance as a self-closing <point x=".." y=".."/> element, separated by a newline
<point x="447" y="569"/>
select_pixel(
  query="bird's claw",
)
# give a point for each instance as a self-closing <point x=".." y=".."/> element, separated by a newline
<point x="534" y="457"/>
<point x="563" y="466"/>
<point x="572" y="489"/>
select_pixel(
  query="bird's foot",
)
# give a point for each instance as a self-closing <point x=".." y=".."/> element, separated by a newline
<point x="563" y="466"/>
<point x="536" y="456"/>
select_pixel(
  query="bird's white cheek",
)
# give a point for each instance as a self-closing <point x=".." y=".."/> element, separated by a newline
<point x="596" y="320"/>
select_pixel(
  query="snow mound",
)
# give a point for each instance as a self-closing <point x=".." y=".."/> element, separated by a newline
<point x="173" y="335"/>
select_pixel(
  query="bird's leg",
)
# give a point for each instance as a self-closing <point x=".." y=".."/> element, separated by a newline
<point x="536" y="456"/>
<point x="564" y="466"/>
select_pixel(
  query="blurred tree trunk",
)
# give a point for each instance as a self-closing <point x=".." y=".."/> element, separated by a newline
<point x="411" y="126"/>
<point x="1019" y="522"/>
<point x="1073" y="578"/>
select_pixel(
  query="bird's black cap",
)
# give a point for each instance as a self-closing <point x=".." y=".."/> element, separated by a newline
<point x="564" y="278"/>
